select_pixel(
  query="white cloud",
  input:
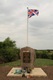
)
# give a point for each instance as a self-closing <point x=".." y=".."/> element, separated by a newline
<point x="13" y="23"/>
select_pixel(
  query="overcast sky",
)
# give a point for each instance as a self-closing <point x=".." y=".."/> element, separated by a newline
<point x="13" y="23"/>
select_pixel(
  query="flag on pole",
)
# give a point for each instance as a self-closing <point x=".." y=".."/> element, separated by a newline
<point x="32" y="12"/>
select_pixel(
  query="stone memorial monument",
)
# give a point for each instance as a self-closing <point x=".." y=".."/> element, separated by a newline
<point x="27" y="55"/>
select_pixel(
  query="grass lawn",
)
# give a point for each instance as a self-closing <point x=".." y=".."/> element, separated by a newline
<point x="43" y="62"/>
<point x="37" y="62"/>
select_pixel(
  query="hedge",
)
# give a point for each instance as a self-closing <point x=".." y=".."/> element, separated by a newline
<point x="44" y="54"/>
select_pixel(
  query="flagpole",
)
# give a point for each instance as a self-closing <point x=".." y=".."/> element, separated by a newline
<point x="31" y="13"/>
<point x="27" y="26"/>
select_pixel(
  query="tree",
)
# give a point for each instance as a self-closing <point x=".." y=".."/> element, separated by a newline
<point x="1" y="45"/>
<point x="8" y="50"/>
<point x="9" y="43"/>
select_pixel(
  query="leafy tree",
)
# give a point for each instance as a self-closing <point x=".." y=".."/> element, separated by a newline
<point x="9" y="43"/>
<point x="1" y="45"/>
<point x="8" y="51"/>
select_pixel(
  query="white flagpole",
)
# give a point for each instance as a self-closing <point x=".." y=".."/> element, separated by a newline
<point x="27" y="26"/>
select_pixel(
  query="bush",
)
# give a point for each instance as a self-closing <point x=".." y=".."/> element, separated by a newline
<point x="9" y="54"/>
<point x="44" y="54"/>
<point x="52" y="56"/>
<point x="8" y="51"/>
<point x="38" y="54"/>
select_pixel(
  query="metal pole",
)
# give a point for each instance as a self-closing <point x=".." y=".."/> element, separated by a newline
<point x="27" y="26"/>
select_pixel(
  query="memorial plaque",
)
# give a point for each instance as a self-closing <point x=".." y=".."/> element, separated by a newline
<point x="26" y="57"/>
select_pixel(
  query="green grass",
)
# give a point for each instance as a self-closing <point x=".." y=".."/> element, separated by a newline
<point x="14" y="63"/>
<point x="43" y="62"/>
<point x="37" y="62"/>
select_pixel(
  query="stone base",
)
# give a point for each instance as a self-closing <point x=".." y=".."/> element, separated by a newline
<point x="35" y="72"/>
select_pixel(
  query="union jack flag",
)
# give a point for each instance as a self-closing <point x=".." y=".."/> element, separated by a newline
<point x="32" y="12"/>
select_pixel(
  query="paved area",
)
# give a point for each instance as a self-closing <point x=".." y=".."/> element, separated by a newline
<point x="35" y="72"/>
